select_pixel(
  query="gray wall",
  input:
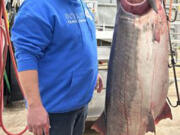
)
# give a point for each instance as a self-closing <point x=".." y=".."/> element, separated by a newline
<point x="106" y="14"/>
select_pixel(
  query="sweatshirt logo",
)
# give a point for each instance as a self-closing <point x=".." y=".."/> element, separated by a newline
<point x="72" y="18"/>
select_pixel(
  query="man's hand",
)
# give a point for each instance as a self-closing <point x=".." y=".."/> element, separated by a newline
<point x="99" y="84"/>
<point x="38" y="120"/>
<point x="37" y="117"/>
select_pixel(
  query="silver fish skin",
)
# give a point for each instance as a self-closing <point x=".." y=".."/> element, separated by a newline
<point x="137" y="82"/>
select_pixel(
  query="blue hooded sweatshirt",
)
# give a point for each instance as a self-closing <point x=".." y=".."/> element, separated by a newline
<point x="57" y="38"/>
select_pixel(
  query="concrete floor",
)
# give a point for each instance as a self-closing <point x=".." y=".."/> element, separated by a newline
<point x="15" y="120"/>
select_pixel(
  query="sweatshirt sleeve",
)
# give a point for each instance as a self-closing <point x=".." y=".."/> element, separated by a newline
<point x="31" y="34"/>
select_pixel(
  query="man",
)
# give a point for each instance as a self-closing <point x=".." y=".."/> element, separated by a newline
<point x="56" y="53"/>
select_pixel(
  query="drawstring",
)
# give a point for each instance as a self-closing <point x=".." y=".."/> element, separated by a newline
<point x="86" y="19"/>
<point x="78" y="23"/>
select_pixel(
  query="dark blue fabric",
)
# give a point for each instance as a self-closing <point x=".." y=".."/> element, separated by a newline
<point x="57" y="38"/>
<point x="70" y="123"/>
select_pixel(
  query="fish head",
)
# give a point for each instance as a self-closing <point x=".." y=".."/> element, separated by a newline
<point x="139" y="7"/>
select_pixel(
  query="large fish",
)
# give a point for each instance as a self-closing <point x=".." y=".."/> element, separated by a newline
<point x="137" y="83"/>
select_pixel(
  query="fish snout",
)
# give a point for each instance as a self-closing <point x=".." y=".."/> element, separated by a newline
<point x="139" y="7"/>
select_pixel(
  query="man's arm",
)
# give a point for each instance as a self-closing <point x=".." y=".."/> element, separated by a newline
<point x="29" y="82"/>
<point x="31" y="34"/>
<point x="37" y="119"/>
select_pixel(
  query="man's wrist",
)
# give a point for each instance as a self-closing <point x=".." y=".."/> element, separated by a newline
<point x="34" y="104"/>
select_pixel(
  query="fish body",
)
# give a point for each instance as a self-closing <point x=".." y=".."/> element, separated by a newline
<point x="137" y="82"/>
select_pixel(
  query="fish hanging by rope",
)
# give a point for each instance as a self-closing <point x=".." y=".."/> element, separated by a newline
<point x="137" y="82"/>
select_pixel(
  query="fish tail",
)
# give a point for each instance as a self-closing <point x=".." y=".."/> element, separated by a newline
<point x="151" y="124"/>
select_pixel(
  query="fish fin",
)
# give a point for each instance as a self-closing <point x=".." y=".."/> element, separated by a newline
<point x="165" y="113"/>
<point x="99" y="125"/>
<point x="151" y="124"/>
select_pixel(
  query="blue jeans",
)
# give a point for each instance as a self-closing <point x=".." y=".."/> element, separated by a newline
<point x="70" y="123"/>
